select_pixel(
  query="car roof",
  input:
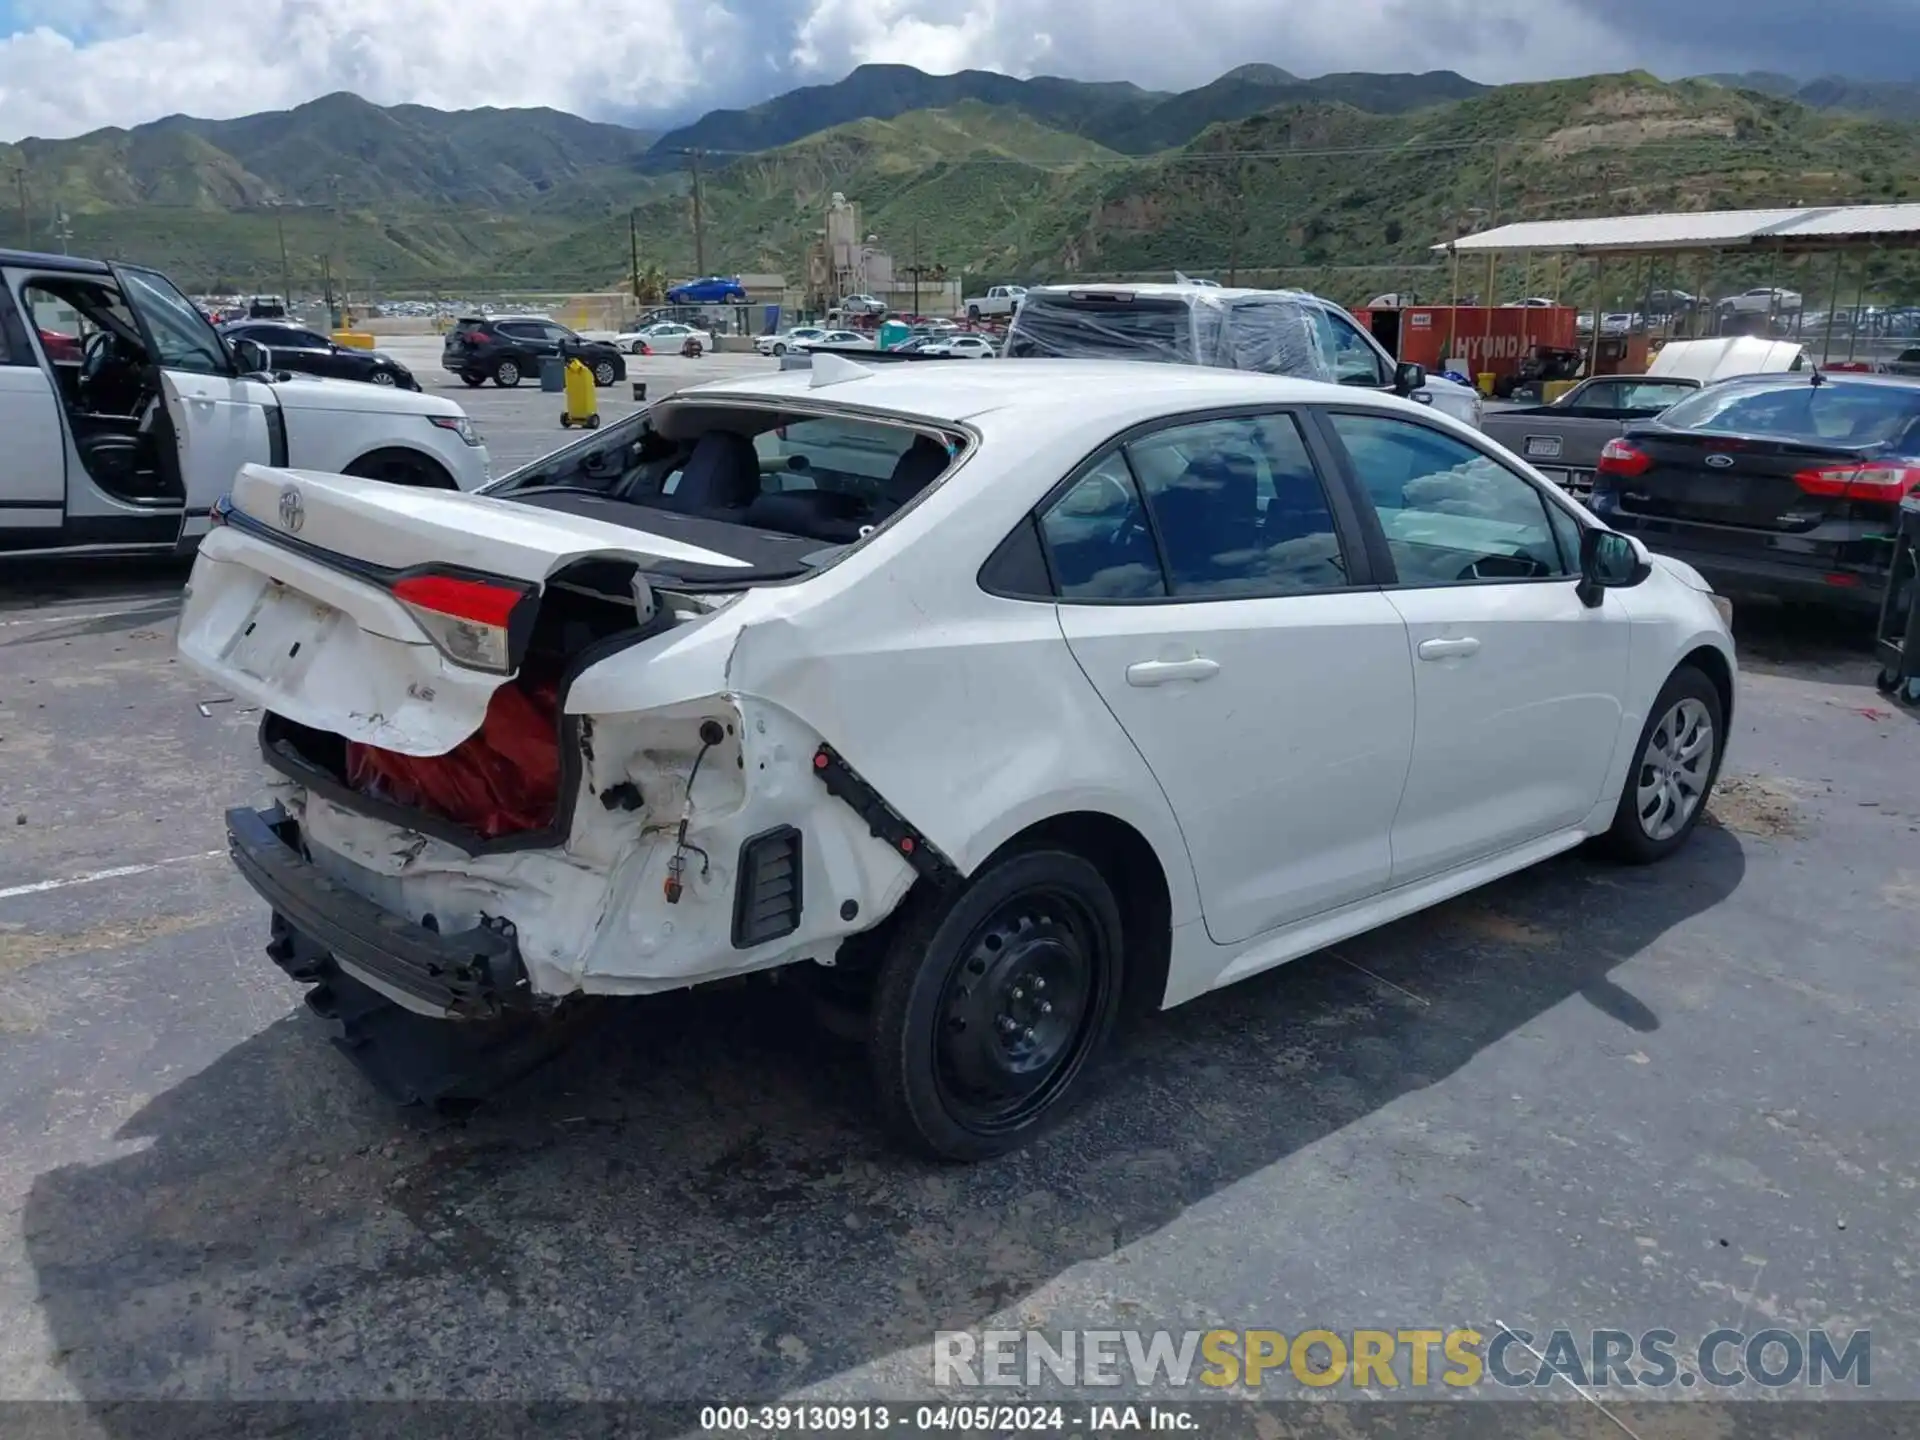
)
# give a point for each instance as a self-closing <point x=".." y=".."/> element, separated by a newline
<point x="1159" y="290"/>
<point x="1848" y="378"/>
<point x="34" y="260"/>
<point x="1126" y="391"/>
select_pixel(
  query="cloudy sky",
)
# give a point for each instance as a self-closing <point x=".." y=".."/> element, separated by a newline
<point x="68" y="66"/>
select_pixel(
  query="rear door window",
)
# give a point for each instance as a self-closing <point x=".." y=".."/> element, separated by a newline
<point x="1239" y="508"/>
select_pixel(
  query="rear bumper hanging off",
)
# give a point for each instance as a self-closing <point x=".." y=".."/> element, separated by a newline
<point x="472" y="975"/>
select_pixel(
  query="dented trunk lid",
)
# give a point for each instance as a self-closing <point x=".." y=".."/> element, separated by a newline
<point x="292" y="605"/>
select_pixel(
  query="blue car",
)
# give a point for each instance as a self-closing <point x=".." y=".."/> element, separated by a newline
<point x="714" y="290"/>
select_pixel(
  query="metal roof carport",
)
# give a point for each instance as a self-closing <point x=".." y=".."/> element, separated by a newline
<point x="1779" y="233"/>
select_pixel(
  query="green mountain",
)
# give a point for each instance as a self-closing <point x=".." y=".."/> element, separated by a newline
<point x="881" y="92"/>
<point x="1300" y="192"/>
<point x="1120" y="116"/>
<point x="1342" y="181"/>
<point x="1882" y="99"/>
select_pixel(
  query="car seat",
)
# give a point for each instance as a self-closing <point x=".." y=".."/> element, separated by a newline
<point x="721" y="473"/>
<point x="1211" y="512"/>
<point x="919" y="465"/>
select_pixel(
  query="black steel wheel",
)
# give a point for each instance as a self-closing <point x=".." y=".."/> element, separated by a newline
<point x="991" y="1005"/>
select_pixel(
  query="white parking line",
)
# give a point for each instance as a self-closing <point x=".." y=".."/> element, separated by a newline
<point x="40" y="887"/>
<point x="91" y="615"/>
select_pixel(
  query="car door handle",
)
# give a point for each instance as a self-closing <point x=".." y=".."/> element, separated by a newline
<point x="1162" y="672"/>
<point x="1448" y="649"/>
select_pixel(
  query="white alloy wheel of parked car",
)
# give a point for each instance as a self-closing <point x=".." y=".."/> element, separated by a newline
<point x="1015" y="694"/>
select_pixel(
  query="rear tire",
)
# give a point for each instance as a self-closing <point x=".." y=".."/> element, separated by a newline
<point x="401" y="467"/>
<point x="993" y="1002"/>
<point x="692" y="350"/>
<point x="1676" y="762"/>
<point x="474" y="381"/>
<point x="507" y="374"/>
<point x="604" y="374"/>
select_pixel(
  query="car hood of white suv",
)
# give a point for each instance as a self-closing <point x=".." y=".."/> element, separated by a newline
<point x="315" y="392"/>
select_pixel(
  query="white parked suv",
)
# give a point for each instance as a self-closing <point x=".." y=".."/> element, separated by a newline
<point x="1276" y="332"/>
<point x="125" y="415"/>
<point x="974" y="700"/>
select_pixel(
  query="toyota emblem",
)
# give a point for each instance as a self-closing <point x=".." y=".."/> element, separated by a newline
<point x="1719" y="461"/>
<point x="293" y="514"/>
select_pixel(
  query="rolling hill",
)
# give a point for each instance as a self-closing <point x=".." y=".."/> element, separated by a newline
<point x="1258" y="172"/>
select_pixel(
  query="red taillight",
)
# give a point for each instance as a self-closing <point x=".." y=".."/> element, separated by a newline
<point x="1888" y="483"/>
<point x="467" y="619"/>
<point x="1619" y="457"/>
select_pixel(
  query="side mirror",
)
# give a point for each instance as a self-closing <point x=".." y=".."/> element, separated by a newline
<point x="1609" y="561"/>
<point x="1409" y="377"/>
<point x="251" y="356"/>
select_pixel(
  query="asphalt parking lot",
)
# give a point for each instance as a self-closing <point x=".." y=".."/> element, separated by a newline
<point x="1586" y="1097"/>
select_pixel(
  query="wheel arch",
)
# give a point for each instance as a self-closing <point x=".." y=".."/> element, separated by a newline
<point x="1140" y="881"/>
<point x="1711" y="662"/>
<point x="441" y="478"/>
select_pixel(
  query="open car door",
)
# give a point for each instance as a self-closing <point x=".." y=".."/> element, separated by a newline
<point x="219" y="419"/>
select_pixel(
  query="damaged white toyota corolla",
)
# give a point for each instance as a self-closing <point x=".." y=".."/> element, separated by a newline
<point x="996" y="696"/>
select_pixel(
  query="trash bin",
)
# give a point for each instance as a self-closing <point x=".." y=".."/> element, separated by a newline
<point x="1897" y="639"/>
<point x="553" y="375"/>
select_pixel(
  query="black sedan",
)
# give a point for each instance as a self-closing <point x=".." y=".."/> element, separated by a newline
<point x="1778" y="485"/>
<point x="289" y="347"/>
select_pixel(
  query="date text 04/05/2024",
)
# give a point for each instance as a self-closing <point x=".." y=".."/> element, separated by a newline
<point x="962" y="1418"/>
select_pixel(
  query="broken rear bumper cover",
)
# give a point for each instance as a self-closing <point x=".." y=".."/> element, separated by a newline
<point x="474" y="974"/>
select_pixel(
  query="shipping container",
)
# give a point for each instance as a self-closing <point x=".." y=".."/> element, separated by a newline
<point x="1492" y="340"/>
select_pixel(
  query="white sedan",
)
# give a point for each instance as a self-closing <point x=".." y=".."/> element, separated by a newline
<point x="838" y="340"/>
<point x="788" y="340"/>
<point x="665" y="337"/>
<point x="963" y="347"/>
<point x="1008" y="692"/>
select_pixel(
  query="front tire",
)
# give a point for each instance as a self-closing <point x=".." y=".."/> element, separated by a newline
<point x="507" y="374"/>
<point x="778" y="351"/>
<point x="639" y="347"/>
<point x="992" y="1004"/>
<point x="383" y="377"/>
<point x="1674" y="769"/>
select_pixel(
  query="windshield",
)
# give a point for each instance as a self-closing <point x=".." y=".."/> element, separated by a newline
<point x="179" y="333"/>
<point x="1846" y="414"/>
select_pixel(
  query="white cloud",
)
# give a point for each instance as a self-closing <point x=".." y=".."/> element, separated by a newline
<point x="137" y="60"/>
<point x="1178" y="45"/>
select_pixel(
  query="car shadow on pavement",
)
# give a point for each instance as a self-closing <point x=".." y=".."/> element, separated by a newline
<point x="696" y="1204"/>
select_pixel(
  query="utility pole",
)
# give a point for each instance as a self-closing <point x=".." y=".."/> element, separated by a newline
<point x="286" y="268"/>
<point x="699" y="218"/>
<point x="633" y="248"/>
<point x="61" y="228"/>
<point x="916" y="268"/>
<point x="26" y="216"/>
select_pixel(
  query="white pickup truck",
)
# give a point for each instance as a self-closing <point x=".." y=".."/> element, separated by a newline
<point x="124" y="415"/>
<point x="999" y="300"/>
